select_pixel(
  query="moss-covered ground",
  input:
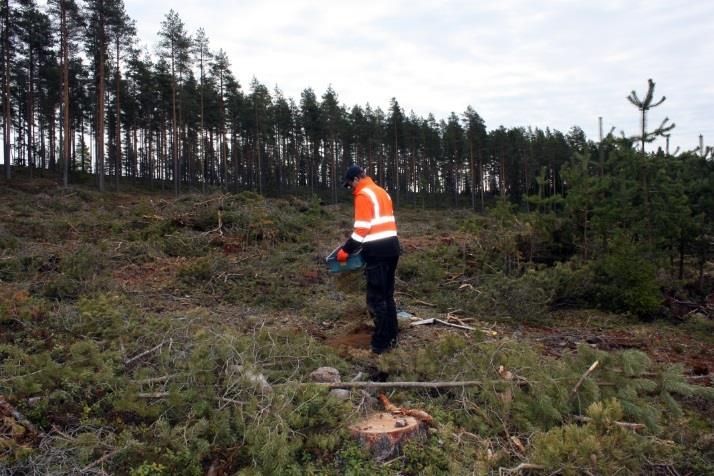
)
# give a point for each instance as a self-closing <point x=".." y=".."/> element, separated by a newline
<point x="128" y="320"/>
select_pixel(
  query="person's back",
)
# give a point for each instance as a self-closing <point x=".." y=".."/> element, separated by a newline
<point x="375" y="232"/>
<point x="377" y="226"/>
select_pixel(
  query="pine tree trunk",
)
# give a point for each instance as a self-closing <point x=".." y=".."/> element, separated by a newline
<point x="181" y="134"/>
<point x="150" y="168"/>
<point x="502" y="174"/>
<point x="73" y="146"/>
<point x="480" y="180"/>
<point x="174" y="135"/>
<point x="257" y="152"/>
<point x="163" y="159"/>
<point x="135" y="156"/>
<point x="100" y="107"/>
<point x="224" y="164"/>
<point x="42" y="145"/>
<point x="6" y="89"/>
<point x="30" y="114"/>
<point x="473" y="175"/>
<point x="117" y="132"/>
<point x="334" y="170"/>
<point x="81" y="143"/>
<point x="396" y="164"/>
<point x="644" y="126"/>
<point x="203" y="130"/>
<point x="65" y="94"/>
<point x="280" y="142"/>
<point x="53" y="145"/>
<point x="235" y="150"/>
<point x="60" y="128"/>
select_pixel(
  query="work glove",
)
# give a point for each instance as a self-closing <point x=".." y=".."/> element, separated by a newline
<point x="342" y="256"/>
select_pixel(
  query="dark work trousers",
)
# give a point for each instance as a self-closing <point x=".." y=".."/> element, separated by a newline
<point x="380" y="301"/>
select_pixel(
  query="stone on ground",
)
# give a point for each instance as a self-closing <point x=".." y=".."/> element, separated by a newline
<point x="326" y="375"/>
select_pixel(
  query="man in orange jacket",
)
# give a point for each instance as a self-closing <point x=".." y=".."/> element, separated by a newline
<point x="375" y="232"/>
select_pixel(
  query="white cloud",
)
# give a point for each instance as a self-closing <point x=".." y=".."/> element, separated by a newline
<point x="554" y="63"/>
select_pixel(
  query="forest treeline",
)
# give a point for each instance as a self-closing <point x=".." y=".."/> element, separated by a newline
<point x="75" y="85"/>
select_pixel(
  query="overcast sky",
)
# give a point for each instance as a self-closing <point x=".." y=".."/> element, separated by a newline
<point x="552" y="63"/>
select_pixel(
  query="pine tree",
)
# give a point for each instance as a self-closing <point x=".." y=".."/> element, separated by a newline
<point x="67" y="15"/>
<point x="202" y="54"/>
<point x="101" y="14"/>
<point x="234" y="104"/>
<point x="475" y="136"/>
<point x="283" y="130"/>
<point x="310" y="112"/>
<point x="122" y="29"/>
<point x="35" y="37"/>
<point x="331" y="115"/>
<point x="396" y="119"/>
<point x="453" y="155"/>
<point x="174" y="44"/>
<point x="644" y="106"/>
<point x="220" y="70"/>
<point x="260" y="102"/>
<point x="7" y="34"/>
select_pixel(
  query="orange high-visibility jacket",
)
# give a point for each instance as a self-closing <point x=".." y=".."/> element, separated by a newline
<point x="374" y="216"/>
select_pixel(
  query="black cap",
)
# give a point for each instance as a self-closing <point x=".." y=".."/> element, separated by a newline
<point x="352" y="172"/>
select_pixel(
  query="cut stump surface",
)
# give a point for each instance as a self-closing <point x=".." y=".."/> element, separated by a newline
<point x="383" y="433"/>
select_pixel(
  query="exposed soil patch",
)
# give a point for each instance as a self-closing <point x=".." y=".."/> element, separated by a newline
<point x="357" y="337"/>
<point x="670" y="346"/>
<point x="147" y="276"/>
<point x="557" y="339"/>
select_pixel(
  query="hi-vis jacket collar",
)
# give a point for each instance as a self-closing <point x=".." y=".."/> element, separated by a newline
<point x="374" y="216"/>
<point x="362" y="184"/>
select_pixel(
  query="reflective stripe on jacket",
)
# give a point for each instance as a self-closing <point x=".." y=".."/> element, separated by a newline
<point x="374" y="216"/>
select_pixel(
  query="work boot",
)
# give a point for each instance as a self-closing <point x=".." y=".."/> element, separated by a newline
<point x="381" y="350"/>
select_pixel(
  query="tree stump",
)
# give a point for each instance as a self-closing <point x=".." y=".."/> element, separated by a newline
<point x="383" y="433"/>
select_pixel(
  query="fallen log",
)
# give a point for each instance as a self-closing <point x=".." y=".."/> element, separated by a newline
<point x="152" y="395"/>
<point x="434" y="320"/>
<point x="149" y="381"/>
<point x="130" y="362"/>
<point x="103" y="459"/>
<point x="463" y="383"/>
<point x="622" y="424"/>
<point x="587" y="373"/>
<point x="520" y="468"/>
